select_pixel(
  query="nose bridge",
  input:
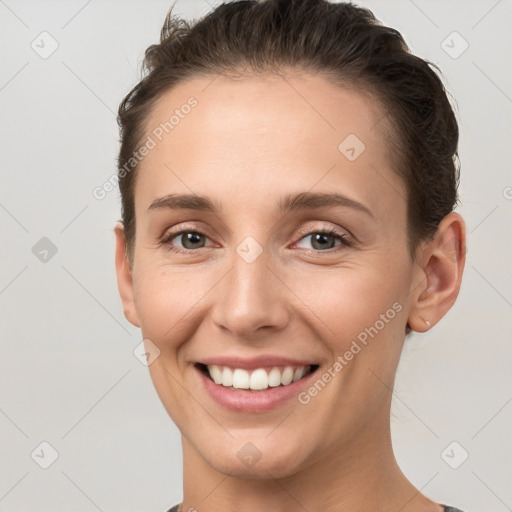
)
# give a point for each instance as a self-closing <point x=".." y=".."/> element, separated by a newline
<point x="250" y="297"/>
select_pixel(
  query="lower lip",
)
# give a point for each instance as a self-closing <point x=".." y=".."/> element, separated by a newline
<point x="244" y="400"/>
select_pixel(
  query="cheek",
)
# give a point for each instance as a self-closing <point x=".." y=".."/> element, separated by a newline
<point x="346" y="303"/>
<point x="166" y="302"/>
<point x="359" y="305"/>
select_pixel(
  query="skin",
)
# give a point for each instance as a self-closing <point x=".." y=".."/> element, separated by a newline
<point x="248" y="143"/>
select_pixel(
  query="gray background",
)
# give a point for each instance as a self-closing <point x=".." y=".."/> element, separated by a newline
<point x="68" y="375"/>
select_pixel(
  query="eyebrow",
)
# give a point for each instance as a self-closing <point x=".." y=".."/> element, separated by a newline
<point x="291" y="202"/>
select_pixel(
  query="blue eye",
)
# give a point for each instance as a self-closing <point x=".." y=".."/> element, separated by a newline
<point x="190" y="240"/>
<point x="326" y="239"/>
<point x="321" y="240"/>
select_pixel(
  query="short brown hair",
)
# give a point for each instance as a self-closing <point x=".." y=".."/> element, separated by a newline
<point x="339" y="40"/>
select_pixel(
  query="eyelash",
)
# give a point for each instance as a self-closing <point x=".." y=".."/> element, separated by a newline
<point x="345" y="241"/>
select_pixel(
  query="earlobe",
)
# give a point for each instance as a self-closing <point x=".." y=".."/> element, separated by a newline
<point x="442" y="263"/>
<point x="124" y="277"/>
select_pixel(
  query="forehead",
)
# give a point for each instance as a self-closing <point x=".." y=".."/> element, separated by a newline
<point x="264" y="134"/>
<point x="263" y="107"/>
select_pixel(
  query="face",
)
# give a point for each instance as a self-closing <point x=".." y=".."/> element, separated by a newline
<point x="296" y="255"/>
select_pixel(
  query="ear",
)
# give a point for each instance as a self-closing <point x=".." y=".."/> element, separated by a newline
<point x="441" y="263"/>
<point x="124" y="277"/>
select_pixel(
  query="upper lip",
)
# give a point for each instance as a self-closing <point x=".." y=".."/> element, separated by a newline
<point x="254" y="362"/>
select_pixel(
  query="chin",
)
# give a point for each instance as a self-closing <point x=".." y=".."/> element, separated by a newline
<point x="255" y="460"/>
<point x="261" y="470"/>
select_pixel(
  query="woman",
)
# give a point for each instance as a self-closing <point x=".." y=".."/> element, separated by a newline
<point x="288" y="179"/>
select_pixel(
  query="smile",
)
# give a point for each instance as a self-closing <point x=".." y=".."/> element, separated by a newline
<point x="257" y="379"/>
<point x="254" y="390"/>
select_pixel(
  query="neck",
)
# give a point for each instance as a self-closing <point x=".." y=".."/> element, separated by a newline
<point x="360" y="475"/>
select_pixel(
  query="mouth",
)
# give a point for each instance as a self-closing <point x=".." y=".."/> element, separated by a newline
<point x="257" y="379"/>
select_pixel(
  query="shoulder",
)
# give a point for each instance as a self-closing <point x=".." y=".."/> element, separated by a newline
<point x="446" y="509"/>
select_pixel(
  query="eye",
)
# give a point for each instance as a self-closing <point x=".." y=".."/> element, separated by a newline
<point x="188" y="239"/>
<point x="325" y="239"/>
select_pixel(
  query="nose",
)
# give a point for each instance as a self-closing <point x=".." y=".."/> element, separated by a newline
<point x="251" y="300"/>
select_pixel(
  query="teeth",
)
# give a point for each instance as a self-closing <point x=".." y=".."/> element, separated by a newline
<point x="258" y="379"/>
<point x="274" y="378"/>
<point x="240" y="379"/>
<point x="287" y="376"/>
<point x="299" y="373"/>
<point x="215" y="374"/>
